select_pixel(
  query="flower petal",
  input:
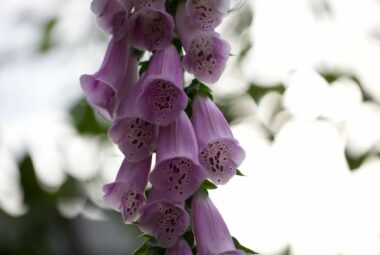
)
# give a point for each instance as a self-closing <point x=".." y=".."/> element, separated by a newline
<point x="165" y="220"/>
<point x="177" y="172"/>
<point x="162" y="97"/>
<point x="150" y="29"/>
<point x="207" y="14"/>
<point x="220" y="154"/>
<point x="157" y="4"/>
<point x="135" y="137"/>
<point x="211" y="233"/>
<point x="180" y="248"/>
<point x="126" y="194"/>
<point x="206" y="53"/>
<point x="112" y="17"/>
<point x="112" y="81"/>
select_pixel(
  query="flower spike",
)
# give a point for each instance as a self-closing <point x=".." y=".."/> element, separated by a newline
<point x="126" y="193"/>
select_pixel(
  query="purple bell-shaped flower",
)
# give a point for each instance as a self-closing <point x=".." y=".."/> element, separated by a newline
<point x="177" y="172"/>
<point x="110" y="84"/>
<point x="211" y="233"/>
<point x="219" y="153"/>
<point x="126" y="193"/>
<point x="207" y="14"/>
<point x="164" y="219"/>
<point x="206" y="53"/>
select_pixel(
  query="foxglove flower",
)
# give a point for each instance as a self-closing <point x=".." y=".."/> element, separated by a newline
<point x="206" y="53"/>
<point x="211" y="233"/>
<point x="219" y="153"/>
<point x="162" y="97"/>
<point x="112" y="17"/>
<point x="157" y="4"/>
<point x="150" y="26"/>
<point x="126" y="193"/>
<point x="164" y="219"/>
<point x="207" y="14"/>
<point x="135" y="137"/>
<point x="177" y="172"/>
<point x="110" y="84"/>
<point x="180" y="248"/>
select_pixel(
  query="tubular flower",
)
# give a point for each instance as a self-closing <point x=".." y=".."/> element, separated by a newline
<point x="207" y="14"/>
<point x="164" y="219"/>
<point x="135" y="137"/>
<point x="157" y="4"/>
<point x="211" y="233"/>
<point x="112" y="17"/>
<point x="110" y="84"/>
<point x="162" y="97"/>
<point x="219" y="153"/>
<point x="126" y="193"/>
<point x="150" y="26"/>
<point x="177" y="172"/>
<point x="180" y="248"/>
<point x="206" y="53"/>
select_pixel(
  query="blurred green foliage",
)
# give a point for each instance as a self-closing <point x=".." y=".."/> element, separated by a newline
<point x="87" y="121"/>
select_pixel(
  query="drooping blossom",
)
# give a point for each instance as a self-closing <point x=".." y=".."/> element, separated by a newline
<point x="126" y="193"/>
<point x="112" y="17"/>
<point x="150" y="26"/>
<point x="157" y="4"/>
<point x="180" y="248"/>
<point x="211" y="233"/>
<point x="207" y="14"/>
<point x="206" y="52"/>
<point x="135" y="137"/>
<point x="110" y="84"/>
<point x="162" y="97"/>
<point x="219" y="153"/>
<point x="177" y="172"/>
<point x="164" y="219"/>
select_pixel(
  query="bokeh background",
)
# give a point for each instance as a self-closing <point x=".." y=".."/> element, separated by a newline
<point x="301" y="91"/>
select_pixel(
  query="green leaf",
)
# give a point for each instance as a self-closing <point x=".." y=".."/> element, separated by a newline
<point x="142" y="250"/>
<point x="145" y="236"/>
<point x="147" y="191"/>
<point x="198" y="87"/>
<point x="257" y="91"/>
<point x="206" y="184"/>
<point x="189" y="237"/>
<point x="355" y="162"/>
<point x="178" y="45"/>
<point x="239" y="173"/>
<point x="138" y="53"/>
<point x="143" y="66"/>
<point x="47" y="41"/>
<point x="86" y="120"/>
<point x="239" y="246"/>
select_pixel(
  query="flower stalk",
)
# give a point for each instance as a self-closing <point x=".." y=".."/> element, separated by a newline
<point x="195" y="150"/>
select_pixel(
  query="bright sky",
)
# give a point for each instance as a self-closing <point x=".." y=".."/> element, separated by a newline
<point x="298" y="189"/>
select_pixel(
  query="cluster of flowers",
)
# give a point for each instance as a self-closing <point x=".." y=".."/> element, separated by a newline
<point x="148" y="116"/>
